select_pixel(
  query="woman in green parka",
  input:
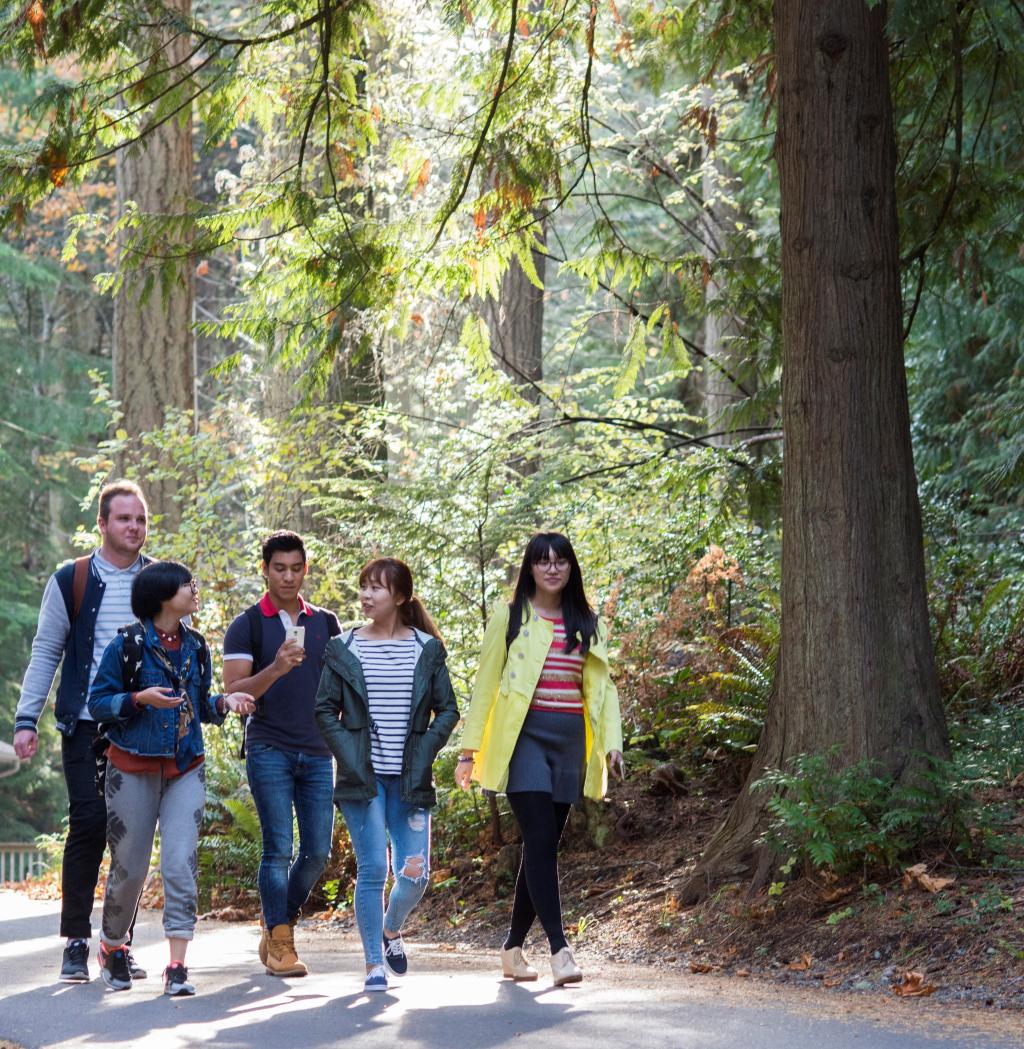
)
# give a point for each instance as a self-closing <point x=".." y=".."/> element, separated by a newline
<point x="385" y="707"/>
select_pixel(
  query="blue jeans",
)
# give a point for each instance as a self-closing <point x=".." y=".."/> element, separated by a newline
<point x="282" y="781"/>
<point x="370" y="824"/>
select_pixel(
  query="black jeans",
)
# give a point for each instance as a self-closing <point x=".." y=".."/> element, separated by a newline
<point x="541" y="821"/>
<point x="87" y="833"/>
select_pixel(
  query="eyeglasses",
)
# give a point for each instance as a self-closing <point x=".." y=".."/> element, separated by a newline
<point x="559" y="565"/>
<point x="193" y="586"/>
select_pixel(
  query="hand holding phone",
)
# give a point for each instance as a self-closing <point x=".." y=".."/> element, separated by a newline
<point x="296" y="634"/>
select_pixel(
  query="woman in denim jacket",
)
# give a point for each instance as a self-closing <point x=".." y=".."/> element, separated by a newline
<point x="155" y="774"/>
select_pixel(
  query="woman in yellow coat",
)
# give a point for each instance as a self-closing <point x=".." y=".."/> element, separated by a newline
<point x="543" y="727"/>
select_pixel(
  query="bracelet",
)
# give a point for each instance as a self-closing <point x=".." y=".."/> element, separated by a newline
<point x="464" y="758"/>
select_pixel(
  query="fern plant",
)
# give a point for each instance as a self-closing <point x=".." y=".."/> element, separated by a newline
<point x="855" y="817"/>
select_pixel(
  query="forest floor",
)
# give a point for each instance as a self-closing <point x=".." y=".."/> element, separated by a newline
<point x="889" y="937"/>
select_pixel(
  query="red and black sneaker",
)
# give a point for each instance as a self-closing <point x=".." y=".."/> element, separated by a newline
<point x="176" y="980"/>
<point x="114" y="968"/>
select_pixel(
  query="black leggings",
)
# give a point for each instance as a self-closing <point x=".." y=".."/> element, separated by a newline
<point x="541" y="820"/>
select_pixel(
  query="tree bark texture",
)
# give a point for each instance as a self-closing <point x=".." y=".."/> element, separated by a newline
<point x="856" y="666"/>
<point x="154" y="348"/>
<point x="724" y="363"/>
<point x="516" y="325"/>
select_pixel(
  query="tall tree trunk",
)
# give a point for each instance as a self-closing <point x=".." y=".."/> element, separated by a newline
<point x="516" y="325"/>
<point x="154" y="348"/>
<point x="724" y="367"/>
<point x="856" y="667"/>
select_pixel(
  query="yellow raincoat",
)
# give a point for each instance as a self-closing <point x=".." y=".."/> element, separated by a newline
<point x="503" y="690"/>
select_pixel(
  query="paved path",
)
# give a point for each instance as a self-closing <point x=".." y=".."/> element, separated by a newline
<point x="454" y="1001"/>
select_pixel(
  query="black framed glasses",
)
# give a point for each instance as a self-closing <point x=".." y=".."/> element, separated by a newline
<point x="559" y="564"/>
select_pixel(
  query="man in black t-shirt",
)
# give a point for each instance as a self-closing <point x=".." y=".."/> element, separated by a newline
<point x="274" y="650"/>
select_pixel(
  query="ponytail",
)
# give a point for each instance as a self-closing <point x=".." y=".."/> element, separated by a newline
<point x="413" y="614"/>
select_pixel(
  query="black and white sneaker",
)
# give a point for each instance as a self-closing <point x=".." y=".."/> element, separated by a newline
<point x="75" y="967"/>
<point x="138" y="973"/>
<point x="395" y="957"/>
<point x="176" y="980"/>
<point x="114" y="968"/>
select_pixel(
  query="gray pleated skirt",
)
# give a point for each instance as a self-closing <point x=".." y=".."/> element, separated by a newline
<point x="549" y="756"/>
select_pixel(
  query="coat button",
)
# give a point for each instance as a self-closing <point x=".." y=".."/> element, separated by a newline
<point x="512" y="674"/>
<point x="526" y="632"/>
<point x="520" y="655"/>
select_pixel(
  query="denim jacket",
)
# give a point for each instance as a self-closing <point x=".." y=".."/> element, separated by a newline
<point x="153" y="731"/>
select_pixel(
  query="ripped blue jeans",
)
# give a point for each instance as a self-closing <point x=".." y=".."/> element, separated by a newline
<point x="370" y="826"/>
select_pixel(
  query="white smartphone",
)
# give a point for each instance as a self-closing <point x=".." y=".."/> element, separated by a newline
<point x="296" y="634"/>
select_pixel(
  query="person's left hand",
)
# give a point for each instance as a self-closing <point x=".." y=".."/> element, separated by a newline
<point x="616" y="765"/>
<point x="240" y="703"/>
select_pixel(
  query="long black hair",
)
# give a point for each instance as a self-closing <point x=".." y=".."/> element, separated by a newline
<point x="580" y="618"/>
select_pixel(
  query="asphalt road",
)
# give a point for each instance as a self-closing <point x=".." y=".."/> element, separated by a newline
<point x="449" y="1001"/>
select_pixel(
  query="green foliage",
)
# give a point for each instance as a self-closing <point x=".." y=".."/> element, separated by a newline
<point x="846" y="819"/>
<point x="231" y="841"/>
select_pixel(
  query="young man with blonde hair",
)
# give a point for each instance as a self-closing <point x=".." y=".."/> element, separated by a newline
<point x="84" y="603"/>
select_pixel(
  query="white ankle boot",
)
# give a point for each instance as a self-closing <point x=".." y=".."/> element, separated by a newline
<point x="514" y="965"/>
<point x="564" y="968"/>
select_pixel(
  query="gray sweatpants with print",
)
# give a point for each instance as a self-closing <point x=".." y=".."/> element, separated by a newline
<point x="136" y="803"/>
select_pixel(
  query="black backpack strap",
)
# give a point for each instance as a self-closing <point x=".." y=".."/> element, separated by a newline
<point x="255" y="619"/>
<point x="134" y="635"/>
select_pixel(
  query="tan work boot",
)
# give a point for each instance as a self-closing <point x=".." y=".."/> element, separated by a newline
<point x="264" y="947"/>
<point x="281" y="957"/>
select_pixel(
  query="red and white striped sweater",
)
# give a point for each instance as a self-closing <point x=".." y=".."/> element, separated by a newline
<point x="560" y="688"/>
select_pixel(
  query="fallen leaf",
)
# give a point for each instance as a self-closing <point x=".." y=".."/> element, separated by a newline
<point x="742" y="972"/>
<point x="918" y="875"/>
<point x="701" y="967"/>
<point x="802" y="964"/>
<point x="912" y="985"/>
<point x="930" y="884"/>
<point x="831" y="895"/>
<point x="831" y="981"/>
<point x="911" y="874"/>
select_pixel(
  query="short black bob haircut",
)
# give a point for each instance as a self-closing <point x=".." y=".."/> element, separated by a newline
<point x="283" y="541"/>
<point x="580" y="619"/>
<point x="156" y="583"/>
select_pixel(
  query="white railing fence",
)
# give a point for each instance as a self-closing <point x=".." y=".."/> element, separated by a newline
<point x="19" y="861"/>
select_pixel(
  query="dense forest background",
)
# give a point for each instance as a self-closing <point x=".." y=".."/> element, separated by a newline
<point x="419" y="278"/>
